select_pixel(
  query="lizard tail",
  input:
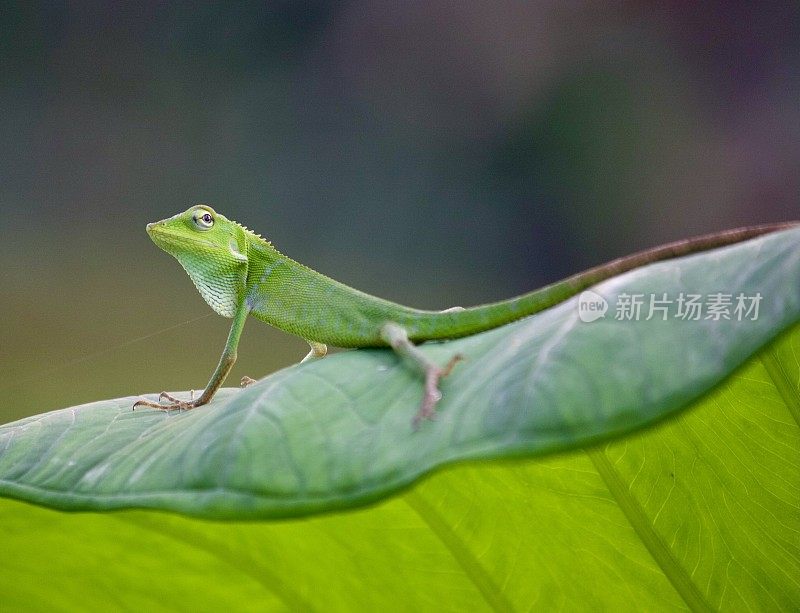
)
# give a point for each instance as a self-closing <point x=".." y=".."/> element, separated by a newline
<point x="429" y="325"/>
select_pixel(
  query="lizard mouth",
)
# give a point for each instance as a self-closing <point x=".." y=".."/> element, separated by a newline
<point x="171" y="241"/>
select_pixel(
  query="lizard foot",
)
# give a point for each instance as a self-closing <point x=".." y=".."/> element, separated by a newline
<point x="432" y="395"/>
<point x="247" y="381"/>
<point x="174" y="404"/>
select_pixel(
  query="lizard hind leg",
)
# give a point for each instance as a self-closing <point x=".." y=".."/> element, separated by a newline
<point x="397" y="338"/>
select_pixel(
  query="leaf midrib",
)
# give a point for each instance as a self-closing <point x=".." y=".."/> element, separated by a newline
<point x="672" y="569"/>
<point x="482" y="580"/>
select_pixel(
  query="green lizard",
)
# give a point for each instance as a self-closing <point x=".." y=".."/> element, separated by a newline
<point x="238" y="273"/>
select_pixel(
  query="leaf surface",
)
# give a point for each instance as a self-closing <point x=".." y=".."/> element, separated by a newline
<point x="700" y="512"/>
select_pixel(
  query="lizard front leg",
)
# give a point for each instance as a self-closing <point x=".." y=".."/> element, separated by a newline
<point x="397" y="338"/>
<point x="226" y="362"/>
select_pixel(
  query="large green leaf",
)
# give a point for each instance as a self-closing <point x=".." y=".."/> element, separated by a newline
<point x="337" y="433"/>
<point x="701" y="512"/>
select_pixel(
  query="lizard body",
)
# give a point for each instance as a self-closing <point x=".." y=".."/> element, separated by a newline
<point x="239" y="273"/>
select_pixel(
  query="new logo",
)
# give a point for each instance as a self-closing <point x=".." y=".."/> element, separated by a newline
<point x="591" y="306"/>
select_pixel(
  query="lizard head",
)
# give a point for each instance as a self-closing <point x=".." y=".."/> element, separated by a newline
<point x="213" y="251"/>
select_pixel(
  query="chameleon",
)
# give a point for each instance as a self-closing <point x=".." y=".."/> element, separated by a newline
<point x="240" y="274"/>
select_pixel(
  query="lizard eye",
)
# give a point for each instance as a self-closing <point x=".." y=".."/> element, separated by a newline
<point x="203" y="219"/>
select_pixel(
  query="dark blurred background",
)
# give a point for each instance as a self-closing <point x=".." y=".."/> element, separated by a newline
<point x="434" y="153"/>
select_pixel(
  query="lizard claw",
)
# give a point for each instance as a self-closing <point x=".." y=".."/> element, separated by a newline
<point x="169" y="397"/>
<point x="247" y="381"/>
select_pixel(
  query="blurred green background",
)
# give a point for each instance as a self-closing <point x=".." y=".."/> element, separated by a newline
<point x="433" y="153"/>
